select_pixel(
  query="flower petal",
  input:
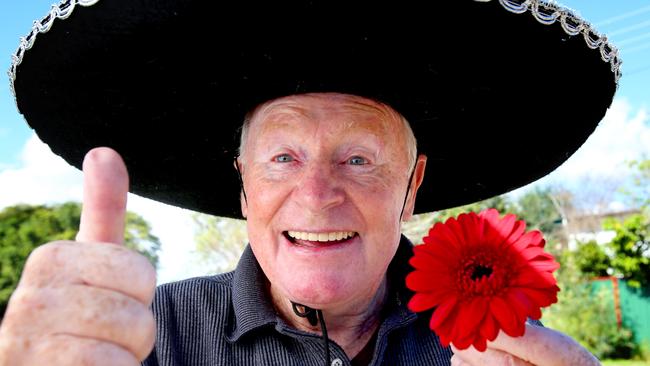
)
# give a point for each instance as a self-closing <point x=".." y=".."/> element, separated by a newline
<point x="547" y="265"/>
<point x="443" y="312"/>
<point x="520" y="306"/>
<point x="506" y="318"/>
<point x="541" y="297"/>
<point x="470" y="228"/>
<point x="470" y="316"/>
<point x="456" y="231"/>
<point x="421" y="281"/>
<point x="530" y="239"/>
<point x="424" y="301"/>
<point x="491" y="233"/>
<point x="489" y="327"/>
<point x="441" y="234"/>
<point x="480" y="343"/>
<point x="529" y="277"/>
<point x="429" y="260"/>
<point x="505" y="227"/>
<point x="517" y="232"/>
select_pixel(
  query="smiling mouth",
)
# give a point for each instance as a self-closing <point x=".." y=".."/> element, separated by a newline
<point x="307" y="239"/>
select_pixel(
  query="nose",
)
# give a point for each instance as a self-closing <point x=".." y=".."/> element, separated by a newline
<point x="318" y="188"/>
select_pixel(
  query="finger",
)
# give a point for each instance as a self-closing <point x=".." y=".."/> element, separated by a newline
<point x="81" y="351"/>
<point x="544" y="346"/>
<point x="111" y="267"/>
<point x="106" y="183"/>
<point x="88" y="312"/>
<point x="471" y="356"/>
<point x="457" y="361"/>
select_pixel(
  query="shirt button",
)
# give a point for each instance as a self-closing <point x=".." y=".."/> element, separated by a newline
<point x="337" y="362"/>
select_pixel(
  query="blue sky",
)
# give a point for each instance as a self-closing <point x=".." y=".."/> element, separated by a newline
<point x="30" y="173"/>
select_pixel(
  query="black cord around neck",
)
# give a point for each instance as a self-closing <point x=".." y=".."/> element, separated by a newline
<point x="314" y="316"/>
<point x="408" y="188"/>
<point x="241" y="181"/>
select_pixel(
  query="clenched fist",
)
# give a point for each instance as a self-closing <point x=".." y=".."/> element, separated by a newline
<point x="84" y="302"/>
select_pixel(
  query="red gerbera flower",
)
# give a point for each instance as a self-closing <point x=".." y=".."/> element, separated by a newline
<point x="481" y="273"/>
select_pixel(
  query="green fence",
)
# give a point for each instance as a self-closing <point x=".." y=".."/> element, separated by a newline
<point x="631" y="306"/>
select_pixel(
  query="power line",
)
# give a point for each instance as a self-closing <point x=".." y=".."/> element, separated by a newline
<point x="629" y="28"/>
<point x="632" y="39"/>
<point x="623" y="16"/>
<point x="637" y="70"/>
<point x="627" y="51"/>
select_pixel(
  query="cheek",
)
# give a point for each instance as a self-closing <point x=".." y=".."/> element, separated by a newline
<point x="380" y="199"/>
<point x="264" y="197"/>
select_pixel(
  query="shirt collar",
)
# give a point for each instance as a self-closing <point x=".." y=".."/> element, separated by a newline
<point x="253" y="308"/>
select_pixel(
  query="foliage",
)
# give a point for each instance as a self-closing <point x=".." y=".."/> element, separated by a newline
<point x="640" y="191"/>
<point x="24" y="227"/>
<point x="138" y="236"/>
<point x="536" y="207"/>
<point x="591" y="260"/>
<point x="418" y="227"/>
<point x="625" y="363"/>
<point x="588" y="315"/>
<point x="631" y="247"/>
<point x="219" y="241"/>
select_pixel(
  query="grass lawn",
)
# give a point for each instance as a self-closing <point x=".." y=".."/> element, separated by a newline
<point x="625" y="363"/>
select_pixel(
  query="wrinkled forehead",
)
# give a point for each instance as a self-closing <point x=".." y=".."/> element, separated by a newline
<point x="349" y="112"/>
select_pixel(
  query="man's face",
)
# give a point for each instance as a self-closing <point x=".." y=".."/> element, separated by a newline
<point x="325" y="177"/>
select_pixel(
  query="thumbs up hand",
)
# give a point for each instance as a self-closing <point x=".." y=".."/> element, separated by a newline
<point x="84" y="302"/>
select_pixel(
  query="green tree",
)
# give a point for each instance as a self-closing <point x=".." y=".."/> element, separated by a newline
<point x="631" y="247"/>
<point x="587" y="314"/>
<point x="591" y="260"/>
<point x="537" y="208"/>
<point x="640" y="190"/>
<point x="25" y="227"/>
<point x="219" y="241"/>
<point x="418" y="227"/>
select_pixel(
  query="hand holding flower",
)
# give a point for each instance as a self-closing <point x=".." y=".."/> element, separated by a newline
<point x="481" y="274"/>
<point x="539" y="346"/>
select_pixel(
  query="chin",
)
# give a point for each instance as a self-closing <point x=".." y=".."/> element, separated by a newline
<point x="317" y="289"/>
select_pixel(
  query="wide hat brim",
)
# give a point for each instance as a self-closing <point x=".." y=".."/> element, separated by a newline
<point x="496" y="98"/>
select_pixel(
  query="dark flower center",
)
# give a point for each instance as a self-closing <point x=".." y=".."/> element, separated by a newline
<point x="480" y="271"/>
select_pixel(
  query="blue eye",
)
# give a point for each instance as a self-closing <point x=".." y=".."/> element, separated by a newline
<point x="357" y="160"/>
<point x="284" y="158"/>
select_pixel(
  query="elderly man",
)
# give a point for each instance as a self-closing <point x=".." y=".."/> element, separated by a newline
<point x="328" y="169"/>
<point x="327" y="181"/>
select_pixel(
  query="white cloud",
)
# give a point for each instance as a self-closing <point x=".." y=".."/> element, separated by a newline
<point x="44" y="178"/>
<point x="623" y="135"/>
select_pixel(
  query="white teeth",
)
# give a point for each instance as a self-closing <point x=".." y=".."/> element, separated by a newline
<point x="336" y="235"/>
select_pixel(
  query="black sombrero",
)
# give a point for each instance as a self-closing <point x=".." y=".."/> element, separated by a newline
<point x="499" y="93"/>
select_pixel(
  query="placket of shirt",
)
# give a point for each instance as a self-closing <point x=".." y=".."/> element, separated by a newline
<point x="398" y="318"/>
<point x="315" y="343"/>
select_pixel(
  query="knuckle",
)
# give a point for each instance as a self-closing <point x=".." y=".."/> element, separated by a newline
<point x="143" y="277"/>
<point x="148" y="278"/>
<point x="510" y="360"/>
<point x="26" y="305"/>
<point x="143" y="343"/>
<point x="45" y="260"/>
<point x="71" y="350"/>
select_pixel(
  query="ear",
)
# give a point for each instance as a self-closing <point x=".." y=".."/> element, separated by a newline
<point x="239" y="168"/>
<point x="418" y="176"/>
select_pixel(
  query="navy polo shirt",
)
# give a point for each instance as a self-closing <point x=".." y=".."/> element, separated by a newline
<point x="228" y="319"/>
